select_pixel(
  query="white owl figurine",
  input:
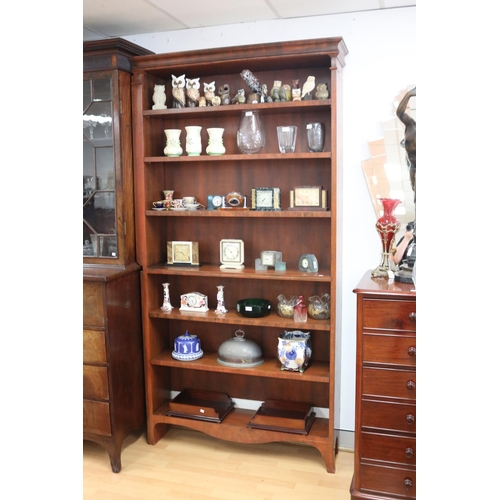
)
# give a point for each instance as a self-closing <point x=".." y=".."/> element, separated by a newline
<point x="179" y="91"/>
<point x="209" y="90"/>
<point x="159" y="97"/>
<point x="308" y="87"/>
<point x="192" y="91"/>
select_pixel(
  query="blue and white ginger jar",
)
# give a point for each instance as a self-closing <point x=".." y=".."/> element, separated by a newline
<point x="294" y="350"/>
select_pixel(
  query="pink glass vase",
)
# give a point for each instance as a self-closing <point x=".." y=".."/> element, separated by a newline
<point x="387" y="226"/>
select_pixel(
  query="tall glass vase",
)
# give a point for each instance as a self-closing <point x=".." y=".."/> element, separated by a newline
<point x="387" y="226"/>
<point x="250" y="137"/>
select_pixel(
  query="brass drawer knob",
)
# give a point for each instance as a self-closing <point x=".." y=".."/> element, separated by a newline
<point x="412" y="316"/>
<point x="409" y="453"/>
<point x="412" y="351"/>
<point x="408" y="483"/>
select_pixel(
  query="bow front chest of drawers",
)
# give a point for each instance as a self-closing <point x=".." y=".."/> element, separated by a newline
<point x="385" y="439"/>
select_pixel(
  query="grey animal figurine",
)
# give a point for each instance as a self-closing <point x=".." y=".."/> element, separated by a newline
<point x="239" y="98"/>
<point x="224" y="94"/>
<point x="251" y="80"/>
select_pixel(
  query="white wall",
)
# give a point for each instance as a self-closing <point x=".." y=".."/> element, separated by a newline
<point x="380" y="63"/>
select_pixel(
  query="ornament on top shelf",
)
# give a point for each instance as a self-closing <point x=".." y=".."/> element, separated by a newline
<point x="285" y="93"/>
<point x="224" y="91"/>
<point x="179" y="91"/>
<point x="192" y="91"/>
<point x="252" y="81"/>
<point x="296" y="90"/>
<point x="275" y="90"/>
<point x="265" y="97"/>
<point x="239" y="98"/>
<point x="159" y="97"/>
<point x="209" y="92"/>
<point x="322" y="92"/>
<point x="308" y="87"/>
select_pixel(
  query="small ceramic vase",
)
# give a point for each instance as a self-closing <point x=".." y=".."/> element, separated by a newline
<point x="167" y="306"/>
<point x="221" y="308"/>
<point x="294" y="350"/>
<point x="193" y="140"/>
<point x="173" y="147"/>
<point x="215" y="144"/>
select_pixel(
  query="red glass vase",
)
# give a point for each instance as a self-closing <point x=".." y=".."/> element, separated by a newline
<point x="387" y="226"/>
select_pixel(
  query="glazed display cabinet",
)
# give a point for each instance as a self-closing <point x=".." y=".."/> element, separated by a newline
<point x="113" y="380"/>
<point x="292" y="232"/>
<point x="385" y="440"/>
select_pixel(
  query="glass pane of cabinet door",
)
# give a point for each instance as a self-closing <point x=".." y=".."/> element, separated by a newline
<point x="99" y="201"/>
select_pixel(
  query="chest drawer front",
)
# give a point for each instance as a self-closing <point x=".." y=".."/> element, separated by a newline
<point x="93" y="304"/>
<point x="390" y="314"/>
<point x="395" y="417"/>
<point x="96" y="417"/>
<point x="95" y="382"/>
<point x="389" y="349"/>
<point x="398" y="450"/>
<point x="94" y="346"/>
<point x="399" y="384"/>
<point x="385" y="480"/>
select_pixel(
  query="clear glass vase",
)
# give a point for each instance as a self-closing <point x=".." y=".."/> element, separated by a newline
<point x="250" y="137"/>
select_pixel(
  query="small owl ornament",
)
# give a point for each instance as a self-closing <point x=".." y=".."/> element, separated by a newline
<point x="308" y="87"/>
<point x="193" y="92"/>
<point x="209" y="91"/>
<point x="179" y="91"/>
<point x="322" y="92"/>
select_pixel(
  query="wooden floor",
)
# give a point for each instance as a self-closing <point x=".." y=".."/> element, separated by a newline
<point x="188" y="465"/>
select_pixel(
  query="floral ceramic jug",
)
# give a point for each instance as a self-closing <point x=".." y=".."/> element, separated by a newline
<point x="294" y="350"/>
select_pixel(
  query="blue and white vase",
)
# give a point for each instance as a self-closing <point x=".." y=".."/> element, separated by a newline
<point x="294" y="350"/>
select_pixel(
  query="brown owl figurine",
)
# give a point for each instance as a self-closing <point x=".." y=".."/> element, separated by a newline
<point x="192" y="91"/>
<point x="179" y="91"/>
<point x="322" y="92"/>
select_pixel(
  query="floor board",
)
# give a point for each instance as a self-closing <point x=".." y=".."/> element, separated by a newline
<point x="188" y="465"/>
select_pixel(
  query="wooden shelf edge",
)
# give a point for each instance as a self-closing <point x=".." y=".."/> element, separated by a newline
<point x="234" y="428"/>
<point x="233" y="318"/>
<point x="316" y="372"/>
<point x="236" y="157"/>
<point x="287" y="214"/>
<point x="214" y="271"/>
<point x="265" y="107"/>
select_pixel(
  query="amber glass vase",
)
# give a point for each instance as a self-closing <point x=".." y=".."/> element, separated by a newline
<point x="387" y="226"/>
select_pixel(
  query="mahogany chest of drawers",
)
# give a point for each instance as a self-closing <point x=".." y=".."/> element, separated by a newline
<point x="385" y="433"/>
<point x="113" y="368"/>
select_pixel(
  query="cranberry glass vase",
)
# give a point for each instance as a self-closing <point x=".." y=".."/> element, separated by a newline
<point x="387" y="226"/>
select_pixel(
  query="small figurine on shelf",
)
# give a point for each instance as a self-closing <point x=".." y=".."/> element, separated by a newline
<point x="193" y="91"/>
<point x="252" y="81"/>
<point x="239" y="98"/>
<point x="322" y="92"/>
<point x="224" y="91"/>
<point x="221" y="308"/>
<point x="159" y="97"/>
<point x="285" y="93"/>
<point x="275" y="90"/>
<point x="308" y="87"/>
<point x="265" y="97"/>
<point x="167" y="306"/>
<point x="179" y="91"/>
<point x="296" y="90"/>
<point x="209" y="92"/>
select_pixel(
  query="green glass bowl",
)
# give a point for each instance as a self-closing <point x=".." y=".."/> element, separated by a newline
<point x="253" y="308"/>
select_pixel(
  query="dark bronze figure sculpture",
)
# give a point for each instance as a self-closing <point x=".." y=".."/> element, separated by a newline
<point x="410" y="139"/>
